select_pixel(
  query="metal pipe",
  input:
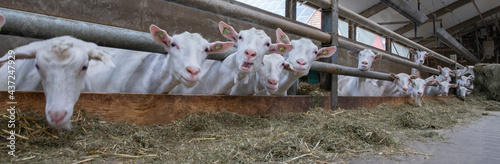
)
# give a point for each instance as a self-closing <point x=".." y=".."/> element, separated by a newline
<point x="455" y="45"/>
<point x="356" y="46"/>
<point x="241" y="13"/>
<point x="346" y="13"/>
<point x="350" y="71"/>
<point x="44" y="27"/>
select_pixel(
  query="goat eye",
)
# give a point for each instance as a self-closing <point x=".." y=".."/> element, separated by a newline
<point x="315" y="52"/>
<point x="173" y="44"/>
<point x="282" y="64"/>
<point x="268" y="44"/>
<point x="84" y="67"/>
<point x="206" y="49"/>
<point x="240" y="37"/>
<point x="36" y="65"/>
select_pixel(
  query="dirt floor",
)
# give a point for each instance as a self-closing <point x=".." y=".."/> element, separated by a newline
<point x="318" y="136"/>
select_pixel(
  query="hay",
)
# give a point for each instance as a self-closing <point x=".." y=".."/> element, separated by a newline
<point x="488" y="80"/>
<point x="223" y="137"/>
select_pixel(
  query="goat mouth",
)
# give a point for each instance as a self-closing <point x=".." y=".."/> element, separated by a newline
<point x="246" y="66"/>
<point x="189" y="81"/>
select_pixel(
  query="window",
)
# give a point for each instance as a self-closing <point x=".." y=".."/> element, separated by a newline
<point x="400" y="50"/>
<point x="369" y="38"/>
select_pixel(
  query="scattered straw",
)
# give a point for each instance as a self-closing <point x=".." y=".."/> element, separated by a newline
<point x="222" y="137"/>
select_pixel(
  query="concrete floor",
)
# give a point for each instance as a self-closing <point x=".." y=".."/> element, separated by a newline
<point x="478" y="142"/>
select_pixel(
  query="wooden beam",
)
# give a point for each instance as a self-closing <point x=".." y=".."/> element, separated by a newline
<point x="438" y="13"/>
<point x="145" y="109"/>
<point x="465" y="24"/>
<point x="374" y="10"/>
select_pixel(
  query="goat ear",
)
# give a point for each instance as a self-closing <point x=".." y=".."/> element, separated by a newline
<point x="281" y="37"/>
<point x="2" y="20"/>
<point x="413" y="52"/>
<point x="453" y="85"/>
<point x="326" y="52"/>
<point x="470" y="91"/>
<point x="160" y="35"/>
<point x="228" y="31"/>
<point x="280" y="48"/>
<point x="439" y="68"/>
<point x="429" y="55"/>
<point x="378" y="56"/>
<point x="355" y="55"/>
<point x="394" y="76"/>
<point x="25" y="52"/>
<point x="413" y="76"/>
<point x="219" y="47"/>
<point x="102" y="56"/>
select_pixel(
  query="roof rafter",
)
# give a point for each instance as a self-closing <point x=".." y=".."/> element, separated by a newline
<point x="373" y="10"/>
<point x="466" y="24"/>
<point x="438" y="13"/>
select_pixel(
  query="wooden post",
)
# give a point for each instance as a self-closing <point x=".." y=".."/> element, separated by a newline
<point x="329" y="23"/>
<point x="291" y="12"/>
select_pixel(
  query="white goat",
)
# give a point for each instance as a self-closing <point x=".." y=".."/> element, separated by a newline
<point x="140" y="72"/>
<point x="398" y="87"/>
<point x="220" y="77"/>
<point x="265" y="81"/>
<point x="419" y="58"/>
<point x="361" y="86"/>
<point x="440" y="90"/>
<point x="417" y="89"/>
<point x="304" y="53"/>
<point x="62" y="64"/>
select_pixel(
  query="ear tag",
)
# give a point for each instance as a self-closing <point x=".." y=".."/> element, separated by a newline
<point x="218" y="47"/>
<point x="282" y="49"/>
<point x="226" y="31"/>
<point x="325" y="52"/>
<point x="283" y="38"/>
<point x="159" y="34"/>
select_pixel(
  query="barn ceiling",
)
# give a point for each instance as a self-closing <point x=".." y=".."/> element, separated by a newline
<point x="459" y="17"/>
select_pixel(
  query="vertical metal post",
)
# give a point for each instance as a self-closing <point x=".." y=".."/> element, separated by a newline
<point x="335" y="57"/>
<point x="388" y="44"/>
<point x="329" y="23"/>
<point x="352" y="30"/>
<point x="291" y="9"/>
<point x="291" y="12"/>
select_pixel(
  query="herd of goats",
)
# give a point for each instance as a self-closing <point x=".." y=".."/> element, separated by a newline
<point x="65" y="66"/>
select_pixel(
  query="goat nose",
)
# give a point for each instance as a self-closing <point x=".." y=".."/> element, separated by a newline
<point x="419" y="93"/>
<point x="192" y="71"/>
<point x="58" y="116"/>
<point x="301" y="62"/>
<point x="250" y="54"/>
<point x="405" y="89"/>
<point x="364" y="63"/>
<point x="272" y="81"/>
<point x="421" y="61"/>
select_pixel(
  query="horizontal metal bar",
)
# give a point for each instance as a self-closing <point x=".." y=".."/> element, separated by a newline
<point x="129" y="39"/>
<point x="44" y="27"/>
<point x="356" y="46"/>
<point x="243" y="13"/>
<point x="346" y="13"/>
<point x="455" y="45"/>
<point x="350" y="71"/>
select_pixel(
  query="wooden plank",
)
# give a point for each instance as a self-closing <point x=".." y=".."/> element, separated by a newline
<point x="144" y="109"/>
<point x="159" y="108"/>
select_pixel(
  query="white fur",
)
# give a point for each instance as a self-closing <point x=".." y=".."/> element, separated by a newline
<point x="360" y="86"/>
<point x="141" y="72"/>
<point x="62" y="73"/>
<point x="220" y="77"/>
